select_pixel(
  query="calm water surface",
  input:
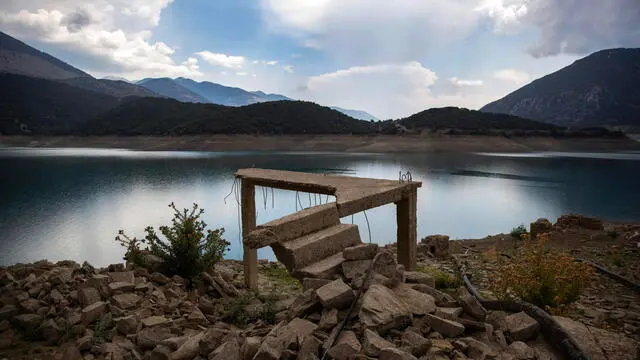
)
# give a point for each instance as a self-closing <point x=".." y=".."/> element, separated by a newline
<point x="69" y="203"/>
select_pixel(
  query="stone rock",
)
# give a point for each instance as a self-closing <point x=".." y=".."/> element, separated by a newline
<point x="189" y="349"/>
<point x="478" y="350"/>
<point x="160" y="352"/>
<point x="126" y="301"/>
<point x="159" y="278"/>
<point x="346" y="345"/>
<point x="355" y="268"/>
<point x="148" y="338"/>
<point x="314" y="283"/>
<point x="309" y="349"/>
<point x="497" y="319"/>
<point x="51" y="332"/>
<point x="197" y="317"/>
<point x="382" y="310"/>
<point x="448" y="313"/>
<point x="416" y="342"/>
<point x="373" y="343"/>
<point x="92" y="312"/>
<point x="28" y="323"/>
<point x="438" y="245"/>
<point x="329" y="319"/>
<point x="250" y="347"/>
<point x="419" y="303"/>
<point x="270" y="349"/>
<point x="122" y="276"/>
<point x="174" y="343"/>
<point x="30" y="305"/>
<point x="88" y="295"/>
<point x="420" y="278"/>
<point x="521" y="351"/>
<point x="305" y="303"/>
<point x="154" y="321"/>
<point x="84" y="343"/>
<point x="386" y="264"/>
<point x="521" y="326"/>
<point x="448" y="328"/>
<point x="71" y="353"/>
<point x="296" y="330"/>
<point x="127" y="325"/>
<point x="395" y="354"/>
<point x="8" y="311"/>
<point x="600" y="344"/>
<point x="229" y="350"/>
<point x="360" y="252"/>
<point x="578" y="221"/>
<point x="335" y="294"/>
<point x="56" y="297"/>
<point x="120" y="287"/>
<point x="60" y="275"/>
<point x="540" y="226"/>
<point x="471" y="305"/>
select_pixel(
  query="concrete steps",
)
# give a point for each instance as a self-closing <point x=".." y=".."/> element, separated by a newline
<point x="324" y="269"/>
<point x="293" y="226"/>
<point x="310" y="248"/>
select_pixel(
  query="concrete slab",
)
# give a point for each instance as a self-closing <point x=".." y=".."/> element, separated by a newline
<point x="353" y="194"/>
<point x="325" y="269"/>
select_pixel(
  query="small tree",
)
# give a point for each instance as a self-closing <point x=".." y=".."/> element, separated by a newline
<point x="186" y="251"/>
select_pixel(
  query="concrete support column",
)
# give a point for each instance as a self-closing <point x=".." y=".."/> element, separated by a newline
<point x="407" y="223"/>
<point x="250" y="256"/>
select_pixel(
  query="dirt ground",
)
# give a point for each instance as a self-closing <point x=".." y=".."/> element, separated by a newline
<point x="348" y="143"/>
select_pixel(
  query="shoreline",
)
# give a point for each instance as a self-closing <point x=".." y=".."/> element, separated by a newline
<point x="341" y="143"/>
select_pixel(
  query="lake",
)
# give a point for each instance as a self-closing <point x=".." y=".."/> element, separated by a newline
<point x="70" y="203"/>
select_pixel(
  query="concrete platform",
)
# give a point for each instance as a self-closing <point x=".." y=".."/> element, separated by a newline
<point x="353" y="194"/>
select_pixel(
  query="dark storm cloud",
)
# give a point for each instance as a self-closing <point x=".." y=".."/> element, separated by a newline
<point x="583" y="26"/>
<point x="76" y="20"/>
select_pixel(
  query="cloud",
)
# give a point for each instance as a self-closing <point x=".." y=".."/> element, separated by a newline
<point x="464" y="82"/>
<point x="228" y="61"/>
<point x="242" y="73"/>
<point x="114" y="35"/>
<point x="288" y="68"/>
<point x="385" y="89"/>
<point x="372" y="31"/>
<point x="568" y="26"/>
<point x="512" y="75"/>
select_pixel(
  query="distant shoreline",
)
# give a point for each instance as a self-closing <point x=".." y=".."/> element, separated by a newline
<point x="338" y="143"/>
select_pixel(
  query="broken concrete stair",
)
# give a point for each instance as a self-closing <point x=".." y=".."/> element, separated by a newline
<point x="310" y="248"/>
<point x="293" y="226"/>
<point x="325" y="269"/>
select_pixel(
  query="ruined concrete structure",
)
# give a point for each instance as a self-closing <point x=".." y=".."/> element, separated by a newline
<point x="310" y="242"/>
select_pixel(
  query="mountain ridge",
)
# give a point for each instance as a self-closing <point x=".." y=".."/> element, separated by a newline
<point x="597" y="90"/>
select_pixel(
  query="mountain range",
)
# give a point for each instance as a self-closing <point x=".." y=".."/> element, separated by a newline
<point x="43" y="95"/>
<point x="598" y="90"/>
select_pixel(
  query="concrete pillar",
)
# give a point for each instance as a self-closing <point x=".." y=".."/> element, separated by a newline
<point x="407" y="222"/>
<point x="250" y="256"/>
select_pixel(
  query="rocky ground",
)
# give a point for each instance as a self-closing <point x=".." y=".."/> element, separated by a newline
<point x="71" y="311"/>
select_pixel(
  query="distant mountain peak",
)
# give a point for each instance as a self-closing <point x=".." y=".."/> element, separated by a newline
<point x="600" y="89"/>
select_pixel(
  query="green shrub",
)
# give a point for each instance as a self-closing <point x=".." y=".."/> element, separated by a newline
<point x="518" y="231"/>
<point x="237" y="313"/>
<point x="442" y="279"/>
<point x="186" y="251"/>
<point x="545" y="277"/>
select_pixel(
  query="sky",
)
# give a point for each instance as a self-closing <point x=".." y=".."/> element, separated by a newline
<point x="391" y="58"/>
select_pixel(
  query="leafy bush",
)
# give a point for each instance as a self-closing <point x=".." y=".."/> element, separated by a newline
<point x="545" y="277"/>
<point x="187" y="250"/>
<point x="238" y="314"/>
<point x="518" y="232"/>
